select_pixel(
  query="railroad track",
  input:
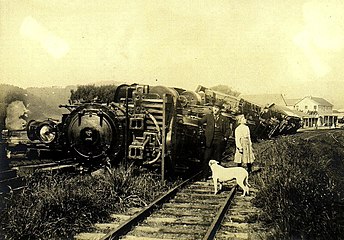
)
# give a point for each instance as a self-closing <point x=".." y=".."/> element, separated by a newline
<point x="189" y="211"/>
<point x="45" y="166"/>
<point x="11" y="179"/>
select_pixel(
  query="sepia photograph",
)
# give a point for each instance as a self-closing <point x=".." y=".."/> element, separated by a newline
<point x="148" y="120"/>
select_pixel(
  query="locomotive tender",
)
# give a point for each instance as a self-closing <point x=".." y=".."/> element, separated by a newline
<point x="151" y="125"/>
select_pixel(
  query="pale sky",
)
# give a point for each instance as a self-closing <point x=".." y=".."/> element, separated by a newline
<point x="254" y="46"/>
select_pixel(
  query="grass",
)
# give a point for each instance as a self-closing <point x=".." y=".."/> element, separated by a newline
<point x="58" y="207"/>
<point x="302" y="185"/>
<point x="301" y="193"/>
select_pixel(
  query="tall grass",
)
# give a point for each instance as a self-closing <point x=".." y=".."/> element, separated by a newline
<point x="57" y="207"/>
<point x="302" y="185"/>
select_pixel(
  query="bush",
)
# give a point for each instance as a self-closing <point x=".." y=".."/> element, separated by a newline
<point x="58" y="207"/>
<point x="104" y="93"/>
<point x="302" y="185"/>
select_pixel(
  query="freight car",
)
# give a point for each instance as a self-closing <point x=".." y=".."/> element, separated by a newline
<point x="150" y="125"/>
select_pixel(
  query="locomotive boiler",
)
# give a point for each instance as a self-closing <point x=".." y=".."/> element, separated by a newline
<point x="152" y="126"/>
<point x="149" y="125"/>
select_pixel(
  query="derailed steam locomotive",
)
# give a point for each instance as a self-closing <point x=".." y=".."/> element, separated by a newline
<point x="151" y="125"/>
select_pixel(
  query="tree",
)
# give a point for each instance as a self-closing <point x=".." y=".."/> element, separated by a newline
<point x="88" y="93"/>
<point x="8" y="94"/>
<point x="226" y="90"/>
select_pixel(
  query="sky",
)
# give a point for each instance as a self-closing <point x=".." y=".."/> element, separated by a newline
<point x="253" y="46"/>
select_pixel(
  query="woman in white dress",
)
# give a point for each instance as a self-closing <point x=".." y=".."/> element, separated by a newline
<point x="243" y="153"/>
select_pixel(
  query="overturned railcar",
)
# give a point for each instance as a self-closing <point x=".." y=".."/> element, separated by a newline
<point x="150" y="125"/>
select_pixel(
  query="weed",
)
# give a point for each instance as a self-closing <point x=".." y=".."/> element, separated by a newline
<point x="58" y="207"/>
<point x="301" y="186"/>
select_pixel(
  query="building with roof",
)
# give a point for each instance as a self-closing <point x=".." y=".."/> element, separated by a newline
<point x="316" y="111"/>
<point x="290" y="103"/>
<point x="314" y="104"/>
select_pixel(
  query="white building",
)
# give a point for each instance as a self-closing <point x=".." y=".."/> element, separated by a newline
<point x="317" y="112"/>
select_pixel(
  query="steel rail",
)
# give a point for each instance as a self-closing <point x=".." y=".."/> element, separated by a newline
<point x="220" y="216"/>
<point x="29" y="163"/>
<point x="127" y="225"/>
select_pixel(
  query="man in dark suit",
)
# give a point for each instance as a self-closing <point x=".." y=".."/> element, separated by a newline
<point x="217" y="132"/>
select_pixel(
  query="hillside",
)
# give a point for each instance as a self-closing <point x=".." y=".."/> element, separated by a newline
<point x="37" y="103"/>
<point x="52" y="96"/>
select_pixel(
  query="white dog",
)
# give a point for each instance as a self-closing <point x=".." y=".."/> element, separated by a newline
<point x="222" y="174"/>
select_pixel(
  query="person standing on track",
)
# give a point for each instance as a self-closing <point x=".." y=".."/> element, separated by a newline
<point x="217" y="132"/>
<point x="243" y="153"/>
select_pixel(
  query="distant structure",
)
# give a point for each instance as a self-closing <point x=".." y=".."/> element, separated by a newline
<point x="314" y="111"/>
<point x="290" y="103"/>
<point x="318" y="112"/>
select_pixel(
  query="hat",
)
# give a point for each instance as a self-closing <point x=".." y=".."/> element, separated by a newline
<point x="240" y="118"/>
<point x="218" y="104"/>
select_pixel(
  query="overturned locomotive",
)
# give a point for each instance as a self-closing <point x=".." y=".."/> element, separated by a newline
<point x="151" y="125"/>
